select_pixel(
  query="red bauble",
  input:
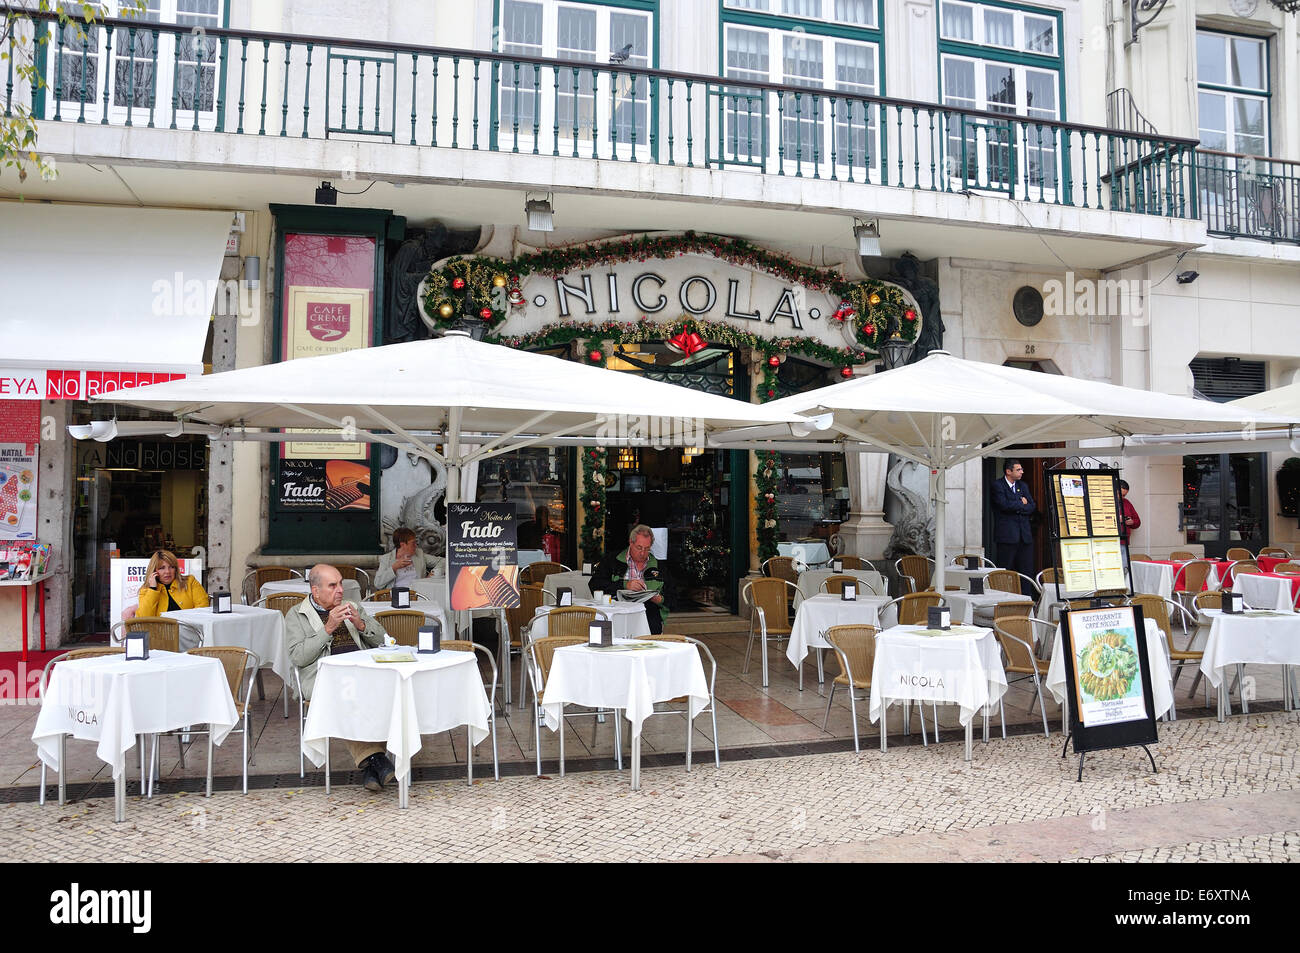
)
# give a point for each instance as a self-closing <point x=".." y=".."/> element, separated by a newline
<point x="869" y="328"/>
<point x="486" y="314"/>
<point x="846" y="372"/>
<point x="458" y="283"/>
<point x="595" y="357"/>
<point x="909" y="314"/>
<point x="771" y="393"/>
<point x="773" y="361"/>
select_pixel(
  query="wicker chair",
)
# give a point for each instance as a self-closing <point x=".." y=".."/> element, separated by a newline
<point x="855" y="650"/>
<point x="1244" y="566"/>
<point x="1182" y="555"/>
<point x="282" y="602"/>
<point x="1275" y="551"/>
<point x="1048" y="577"/>
<point x="913" y="607"/>
<point x="260" y="577"/>
<point x="1211" y="599"/>
<point x="1287" y="568"/>
<point x="1236" y="553"/>
<point x="402" y="624"/>
<point x="536" y="572"/>
<point x="357" y="575"/>
<point x="960" y="559"/>
<point x="835" y="584"/>
<point x="239" y="665"/>
<point x="542" y="653"/>
<point x="851" y="562"/>
<point x="1138" y="558"/>
<point x="386" y="595"/>
<point x="769" y="601"/>
<point x="464" y="645"/>
<point x="71" y="655"/>
<point x="518" y="619"/>
<point x="164" y="634"/>
<point x="1158" y="609"/>
<point x="570" y="622"/>
<point x="1194" y="576"/>
<point x="685" y="702"/>
<point x="1003" y="580"/>
<point x="915" y="572"/>
<point x="1010" y="610"/>
<point x="782" y="567"/>
<point x="1016" y="636"/>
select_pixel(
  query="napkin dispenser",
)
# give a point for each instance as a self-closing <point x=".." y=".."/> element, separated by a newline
<point x="972" y="562"/>
<point x="939" y="617"/>
<point x="977" y="586"/>
<point x="221" y="603"/>
<point x="137" y="646"/>
<point x="600" y="632"/>
<point x="837" y="565"/>
<point x="429" y="639"/>
<point x="1233" y="603"/>
<point x="849" y="593"/>
<point x="586" y="569"/>
<point x="401" y="597"/>
<point x="563" y="596"/>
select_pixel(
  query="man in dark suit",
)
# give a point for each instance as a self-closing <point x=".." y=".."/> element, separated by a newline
<point x="1012" y="505"/>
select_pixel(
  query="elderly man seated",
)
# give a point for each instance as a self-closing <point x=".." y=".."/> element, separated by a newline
<point x="324" y="624"/>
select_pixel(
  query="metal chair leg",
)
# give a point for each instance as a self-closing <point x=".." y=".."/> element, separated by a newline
<point x="63" y="770"/>
<point x="853" y="709"/>
<point x="830" y="698"/>
<point x="1042" y="709"/>
<point x="208" y="792"/>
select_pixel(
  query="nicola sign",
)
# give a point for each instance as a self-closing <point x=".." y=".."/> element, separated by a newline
<point x="24" y="384"/>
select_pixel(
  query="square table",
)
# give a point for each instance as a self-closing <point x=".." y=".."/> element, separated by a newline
<point x="1268" y="590"/>
<point x="962" y="665"/>
<point x="1162" y="691"/>
<point x="110" y="700"/>
<point x="964" y="604"/>
<point x="260" y="631"/>
<point x="628" y="618"/>
<point x="361" y="699"/>
<point x="629" y="679"/>
<point x="1250" y="638"/>
<point x="810" y="581"/>
<point x="817" y="614"/>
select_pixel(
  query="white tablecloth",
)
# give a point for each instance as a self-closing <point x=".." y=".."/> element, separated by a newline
<point x="1154" y="578"/>
<point x="816" y="614"/>
<point x="631" y="681"/>
<point x="956" y="576"/>
<point x="575" y="580"/>
<point x="431" y="587"/>
<point x="1249" y="639"/>
<point x="810" y="554"/>
<point x="359" y="699"/>
<point x="964" y="604"/>
<point x="110" y="700"/>
<point x="810" y="581"/>
<point x="1263" y="592"/>
<point x="351" y="588"/>
<point x="963" y="667"/>
<point x="432" y="611"/>
<point x="628" y="618"/>
<point x="259" y="630"/>
<point x="1161" y="692"/>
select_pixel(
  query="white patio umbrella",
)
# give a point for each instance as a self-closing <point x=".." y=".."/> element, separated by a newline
<point x="480" y="400"/>
<point x="942" y="411"/>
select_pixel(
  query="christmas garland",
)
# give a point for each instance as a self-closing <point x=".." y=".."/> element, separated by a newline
<point x="766" y="477"/>
<point x="595" y="467"/>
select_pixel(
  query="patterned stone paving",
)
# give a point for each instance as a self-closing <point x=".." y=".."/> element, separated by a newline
<point x="1280" y="847"/>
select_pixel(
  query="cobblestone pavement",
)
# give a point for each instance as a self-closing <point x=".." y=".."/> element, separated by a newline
<point x="1265" y="848"/>
<point x="1017" y="795"/>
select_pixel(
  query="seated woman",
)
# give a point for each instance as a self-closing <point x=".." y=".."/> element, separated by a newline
<point x="166" y="590"/>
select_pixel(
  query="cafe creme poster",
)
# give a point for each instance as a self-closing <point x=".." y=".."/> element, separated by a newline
<point x="482" y="555"/>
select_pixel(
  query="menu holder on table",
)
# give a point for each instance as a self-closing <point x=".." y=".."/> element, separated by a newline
<point x="1232" y="603"/>
<point x="849" y="593"/>
<point x="600" y="633"/>
<point x="221" y="603"/>
<point x="939" y="618"/>
<point x="972" y="562"/>
<point x="401" y="597"/>
<point x="429" y="639"/>
<point x="564" y="596"/>
<point x="837" y="565"/>
<point x="137" y="646"/>
<point x="586" y="569"/>
<point x="976" y="586"/>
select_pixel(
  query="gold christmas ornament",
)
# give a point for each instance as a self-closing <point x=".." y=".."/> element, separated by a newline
<point x="498" y="281"/>
<point x="874" y="299"/>
<point x="445" y="309"/>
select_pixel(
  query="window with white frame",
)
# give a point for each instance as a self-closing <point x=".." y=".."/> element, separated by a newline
<point x="845" y="12"/>
<point x="1232" y="92"/>
<point x="825" y="125"/>
<point x="984" y="67"/>
<point x="579" y="103"/>
<point x="148" y="70"/>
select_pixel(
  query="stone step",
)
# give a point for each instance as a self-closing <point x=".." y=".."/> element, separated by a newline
<point x="696" y="624"/>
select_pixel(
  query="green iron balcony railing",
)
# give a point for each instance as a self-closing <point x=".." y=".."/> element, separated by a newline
<point x="1245" y="196"/>
<point x="143" y="73"/>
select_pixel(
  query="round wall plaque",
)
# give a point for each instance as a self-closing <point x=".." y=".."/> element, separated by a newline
<point x="1027" y="306"/>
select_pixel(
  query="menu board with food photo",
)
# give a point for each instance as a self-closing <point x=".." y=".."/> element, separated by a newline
<point x="18" y="490"/>
<point x="1085" y="529"/>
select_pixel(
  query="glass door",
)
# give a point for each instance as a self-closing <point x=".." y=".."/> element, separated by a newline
<point x="1225" y="502"/>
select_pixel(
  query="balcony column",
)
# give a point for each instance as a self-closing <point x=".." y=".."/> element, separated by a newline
<point x="865" y="533"/>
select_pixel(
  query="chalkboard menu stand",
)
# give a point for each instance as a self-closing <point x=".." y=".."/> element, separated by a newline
<point x="1132" y="732"/>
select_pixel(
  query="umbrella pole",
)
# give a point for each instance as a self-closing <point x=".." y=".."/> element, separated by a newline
<point x="940" y="478"/>
<point x="452" y="455"/>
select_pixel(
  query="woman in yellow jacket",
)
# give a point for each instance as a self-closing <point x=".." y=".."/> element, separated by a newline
<point x="165" y="589"/>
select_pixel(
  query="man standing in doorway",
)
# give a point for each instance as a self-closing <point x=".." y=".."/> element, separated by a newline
<point x="1012" y="505"/>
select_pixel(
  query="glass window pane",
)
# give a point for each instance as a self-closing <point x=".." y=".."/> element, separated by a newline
<point x="999" y="88"/>
<point x="1213" y="112"/>
<point x="747" y="4"/>
<point x="1040" y="94"/>
<point x="521" y="33"/>
<point x="999" y="28"/>
<point x="1040" y="35"/>
<point x="959" y="83"/>
<point x="521" y="28"/>
<point x="631" y="31"/>
<point x="1248" y="117"/>
<point x="858" y="12"/>
<point x="802" y="8"/>
<point x="1210" y="64"/>
<point x="1247" y="65"/>
<point x="802" y="60"/>
<point x="575" y="36"/>
<point x="958" y="22"/>
<point x="855" y="68"/>
<point x="747" y="54"/>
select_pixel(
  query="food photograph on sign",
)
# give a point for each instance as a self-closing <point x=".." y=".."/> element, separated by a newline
<point x="1107" y="666"/>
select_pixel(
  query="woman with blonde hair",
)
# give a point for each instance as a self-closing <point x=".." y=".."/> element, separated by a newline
<point x="166" y="590"/>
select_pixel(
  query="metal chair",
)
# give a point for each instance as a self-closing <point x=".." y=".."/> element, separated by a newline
<point x="769" y="601"/>
<point x="1047" y="578"/>
<point x="1275" y="551"/>
<point x="69" y="656"/>
<point x="402" y="624"/>
<point x="960" y="559"/>
<point x="1182" y="555"/>
<point x="1156" y="608"/>
<point x="238" y="663"/>
<point x="1137" y="558"/>
<point x="1195" y="577"/>
<point x="1236" y="553"/>
<point x="164" y="634"/>
<point x="538" y="571"/>
<point x="386" y="595"/>
<point x="1243" y="566"/>
<point x="1211" y="599"/>
<point x="464" y="645"/>
<point x="532" y="596"/>
<point x="783" y="567"/>
<point x="1287" y="568"/>
<point x="711" y="709"/>
<point x="281" y="602"/>
<point x="834" y="585"/>
<point x="855" y="650"/>
<point x="261" y="577"/>
<point x="1017" y="640"/>
<point x="357" y="575"/>
<point x="542" y="653"/>
<point x="913" y="607"/>
<point x="915" y="571"/>
<point x="565" y="621"/>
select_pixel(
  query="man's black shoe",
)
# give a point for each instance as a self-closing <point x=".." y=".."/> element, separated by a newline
<point x="384" y="769"/>
<point x="372" y="776"/>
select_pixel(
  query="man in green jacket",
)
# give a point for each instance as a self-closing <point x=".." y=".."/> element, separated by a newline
<point x="637" y="570"/>
<point x="324" y="624"/>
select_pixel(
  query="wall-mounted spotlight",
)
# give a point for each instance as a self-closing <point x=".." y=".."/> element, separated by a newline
<point x="1186" y="277"/>
<point x="540" y="215"/>
<point x="868" y="236"/>
<point x="327" y="195"/>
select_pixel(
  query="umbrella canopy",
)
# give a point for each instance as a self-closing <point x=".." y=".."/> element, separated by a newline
<point x="1280" y="400"/>
<point x="942" y="411"/>
<point x="461" y="390"/>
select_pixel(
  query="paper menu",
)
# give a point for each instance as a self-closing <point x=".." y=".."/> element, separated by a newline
<point x="1072" y="504"/>
<point x="1076" y="565"/>
<point x="1108" y="564"/>
<point x="1101" y="501"/>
